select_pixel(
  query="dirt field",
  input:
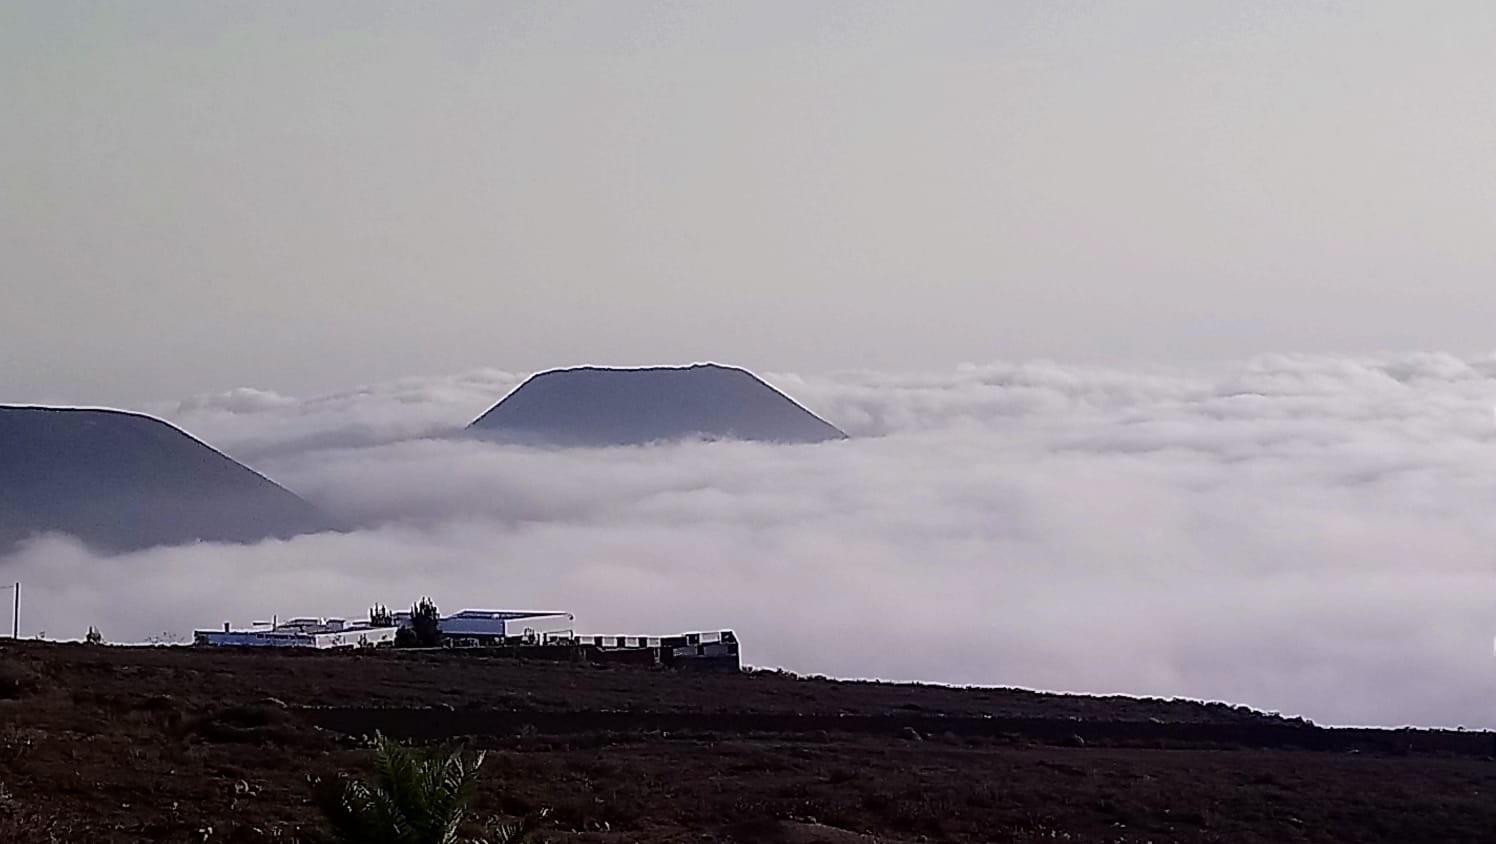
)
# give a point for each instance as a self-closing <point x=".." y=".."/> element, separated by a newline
<point x="103" y="744"/>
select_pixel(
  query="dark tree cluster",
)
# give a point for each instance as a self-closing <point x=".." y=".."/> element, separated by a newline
<point x="425" y="627"/>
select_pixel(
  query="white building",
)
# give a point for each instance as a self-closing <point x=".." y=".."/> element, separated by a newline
<point x="496" y="626"/>
<point x="300" y="633"/>
<point x="478" y="627"/>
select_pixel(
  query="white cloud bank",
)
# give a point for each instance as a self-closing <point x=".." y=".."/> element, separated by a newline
<point x="1306" y="534"/>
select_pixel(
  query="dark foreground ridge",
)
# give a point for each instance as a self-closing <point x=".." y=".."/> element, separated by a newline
<point x="122" y="481"/>
<point x="593" y="406"/>
<point x="111" y="744"/>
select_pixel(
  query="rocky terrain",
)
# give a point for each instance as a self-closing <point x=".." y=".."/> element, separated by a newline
<point x="109" y="744"/>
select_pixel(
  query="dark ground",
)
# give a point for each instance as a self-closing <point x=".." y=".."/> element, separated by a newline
<point x="103" y="744"/>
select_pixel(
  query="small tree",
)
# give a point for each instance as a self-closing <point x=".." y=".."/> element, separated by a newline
<point x="425" y="622"/>
<point x="412" y="798"/>
<point x="379" y="616"/>
<point x="94" y="637"/>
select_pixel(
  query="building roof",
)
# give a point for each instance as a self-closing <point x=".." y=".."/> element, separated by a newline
<point x="505" y="615"/>
<point x="494" y="615"/>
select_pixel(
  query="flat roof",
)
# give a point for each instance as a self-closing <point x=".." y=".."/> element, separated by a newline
<point x="505" y="614"/>
<point x="495" y="615"/>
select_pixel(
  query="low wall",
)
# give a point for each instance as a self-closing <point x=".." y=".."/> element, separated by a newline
<point x="715" y="658"/>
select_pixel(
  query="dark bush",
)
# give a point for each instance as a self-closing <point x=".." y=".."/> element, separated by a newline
<point x="249" y="724"/>
<point x="16" y="680"/>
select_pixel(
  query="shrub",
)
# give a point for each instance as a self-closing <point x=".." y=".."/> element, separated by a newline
<point x="16" y="680"/>
<point x="412" y="798"/>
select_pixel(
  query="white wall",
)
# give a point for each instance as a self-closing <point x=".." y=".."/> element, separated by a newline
<point x="281" y="639"/>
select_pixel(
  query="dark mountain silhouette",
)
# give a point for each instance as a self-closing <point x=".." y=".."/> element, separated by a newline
<point x="121" y="481"/>
<point x="593" y="406"/>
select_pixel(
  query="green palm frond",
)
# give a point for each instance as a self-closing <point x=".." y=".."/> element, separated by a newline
<point x="410" y="798"/>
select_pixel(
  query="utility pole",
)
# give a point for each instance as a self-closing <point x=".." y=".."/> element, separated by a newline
<point x="15" y="613"/>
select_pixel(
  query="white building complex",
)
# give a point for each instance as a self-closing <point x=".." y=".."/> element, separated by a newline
<point x="499" y="627"/>
<point x="300" y="633"/>
<point x="474" y="627"/>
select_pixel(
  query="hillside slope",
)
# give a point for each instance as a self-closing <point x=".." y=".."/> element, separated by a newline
<point x="121" y="481"/>
<point x="170" y="742"/>
<point x="594" y="406"/>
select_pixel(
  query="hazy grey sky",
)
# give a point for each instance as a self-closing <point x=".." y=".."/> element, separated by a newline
<point x="202" y="195"/>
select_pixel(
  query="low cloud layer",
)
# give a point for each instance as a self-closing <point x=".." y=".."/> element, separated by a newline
<point x="1311" y="535"/>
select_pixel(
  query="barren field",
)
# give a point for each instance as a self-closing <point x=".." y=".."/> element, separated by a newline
<point x="105" y="744"/>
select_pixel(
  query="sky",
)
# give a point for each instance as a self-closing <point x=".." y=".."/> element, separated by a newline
<point x="1310" y="535"/>
<point x="197" y="196"/>
<point x="1162" y="329"/>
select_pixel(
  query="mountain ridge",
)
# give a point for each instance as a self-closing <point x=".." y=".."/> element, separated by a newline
<point x="122" y="481"/>
<point x="601" y="406"/>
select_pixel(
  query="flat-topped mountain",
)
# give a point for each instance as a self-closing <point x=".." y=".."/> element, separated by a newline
<point x="121" y="481"/>
<point x="595" y="406"/>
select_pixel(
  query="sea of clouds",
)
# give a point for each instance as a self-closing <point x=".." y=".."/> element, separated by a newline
<point x="1311" y="535"/>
